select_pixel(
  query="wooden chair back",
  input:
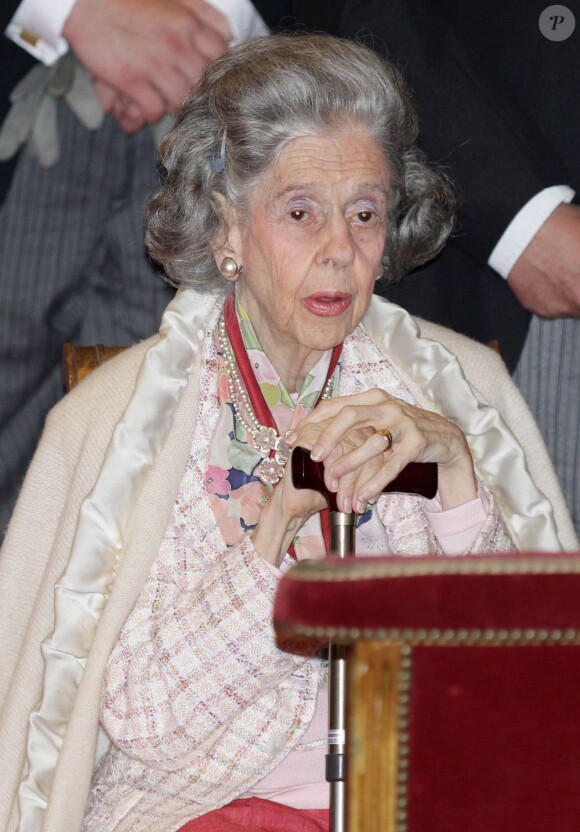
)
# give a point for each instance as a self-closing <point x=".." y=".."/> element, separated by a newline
<point x="79" y="361"/>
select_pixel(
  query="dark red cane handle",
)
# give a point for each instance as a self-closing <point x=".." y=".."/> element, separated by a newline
<point x="415" y="478"/>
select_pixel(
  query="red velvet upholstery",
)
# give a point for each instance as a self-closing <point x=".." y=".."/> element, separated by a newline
<point x="495" y="739"/>
<point x="408" y="593"/>
<point x="494" y="666"/>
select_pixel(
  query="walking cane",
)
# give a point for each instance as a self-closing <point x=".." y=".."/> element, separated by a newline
<point x="415" y="478"/>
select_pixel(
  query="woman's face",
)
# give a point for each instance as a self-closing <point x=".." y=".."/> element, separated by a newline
<point x="312" y="246"/>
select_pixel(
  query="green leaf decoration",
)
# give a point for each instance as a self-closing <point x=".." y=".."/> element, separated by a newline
<point x="271" y="393"/>
<point x="243" y="457"/>
<point x="249" y="336"/>
<point x="309" y="401"/>
<point x="242" y="314"/>
<point x="240" y="433"/>
<point x="285" y="396"/>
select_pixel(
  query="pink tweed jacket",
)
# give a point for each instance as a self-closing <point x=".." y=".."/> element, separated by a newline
<point x="199" y="702"/>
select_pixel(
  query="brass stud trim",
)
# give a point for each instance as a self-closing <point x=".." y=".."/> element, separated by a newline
<point x="447" y="638"/>
<point x="403" y="700"/>
<point x="326" y="570"/>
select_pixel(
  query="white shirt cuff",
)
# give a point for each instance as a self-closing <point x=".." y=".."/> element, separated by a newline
<point x="245" y="22"/>
<point x="525" y="225"/>
<point x="37" y="27"/>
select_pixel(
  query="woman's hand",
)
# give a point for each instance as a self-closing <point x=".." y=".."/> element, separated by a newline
<point x="283" y="516"/>
<point x="359" y="462"/>
<point x="288" y="508"/>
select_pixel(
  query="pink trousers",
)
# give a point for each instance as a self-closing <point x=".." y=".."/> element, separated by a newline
<point x="256" y="815"/>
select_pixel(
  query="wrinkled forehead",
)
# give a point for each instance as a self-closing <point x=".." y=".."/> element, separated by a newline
<point x="349" y="160"/>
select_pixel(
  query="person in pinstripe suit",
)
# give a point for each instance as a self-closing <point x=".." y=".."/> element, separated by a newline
<point x="73" y="264"/>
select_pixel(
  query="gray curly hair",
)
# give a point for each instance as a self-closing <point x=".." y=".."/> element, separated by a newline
<point x="259" y="96"/>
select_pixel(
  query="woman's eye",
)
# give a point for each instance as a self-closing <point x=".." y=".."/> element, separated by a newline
<point x="365" y="216"/>
<point x="298" y="214"/>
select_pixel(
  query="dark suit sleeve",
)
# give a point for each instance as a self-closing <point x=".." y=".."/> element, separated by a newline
<point x="496" y="156"/>
<point x="15" y="62"/>
<point x="273" y="12"/>
<point x="7" y="12"/>
<point x="303" y="15"/>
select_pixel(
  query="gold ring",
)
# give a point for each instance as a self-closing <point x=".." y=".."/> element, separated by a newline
<point x="387" y="435"/>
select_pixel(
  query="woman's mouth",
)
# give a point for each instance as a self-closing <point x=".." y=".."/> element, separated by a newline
<point x="328" y="304"/>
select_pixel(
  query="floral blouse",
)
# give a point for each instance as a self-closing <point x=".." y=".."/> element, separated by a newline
<point x="236" y="492"/>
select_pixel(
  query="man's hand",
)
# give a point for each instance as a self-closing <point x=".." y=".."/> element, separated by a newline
<point x="128" y="113"/>
<point x="145" y="54"/>
<point x="546" y="277"/>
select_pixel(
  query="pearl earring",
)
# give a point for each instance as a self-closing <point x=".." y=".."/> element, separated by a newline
<point x="229" y="268"/>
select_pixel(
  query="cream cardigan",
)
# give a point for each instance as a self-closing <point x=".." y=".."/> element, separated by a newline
<point x="53" y="518"/>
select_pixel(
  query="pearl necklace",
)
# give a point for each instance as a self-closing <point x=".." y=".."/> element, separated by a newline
<point x="265" y="440"/>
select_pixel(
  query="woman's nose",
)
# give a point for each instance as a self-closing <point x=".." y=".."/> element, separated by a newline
<point x="337" y="243"/>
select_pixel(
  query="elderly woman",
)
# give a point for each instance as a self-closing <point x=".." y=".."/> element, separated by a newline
<point x="142" y="560"/>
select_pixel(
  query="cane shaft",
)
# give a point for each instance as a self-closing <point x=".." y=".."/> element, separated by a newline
<point x="341" y="545"/>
